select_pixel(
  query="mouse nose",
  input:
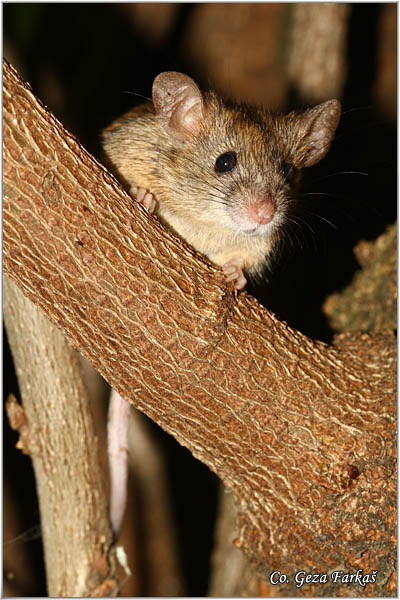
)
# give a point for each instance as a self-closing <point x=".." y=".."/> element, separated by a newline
<point x="262" y="210"/>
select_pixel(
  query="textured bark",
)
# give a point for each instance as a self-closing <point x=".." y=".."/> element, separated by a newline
<point x="302" y="433"/>
<point x="56" y="429"/>
<point x="369" y="303"/>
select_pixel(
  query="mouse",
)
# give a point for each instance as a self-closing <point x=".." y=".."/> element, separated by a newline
<point x="221" y="175"/>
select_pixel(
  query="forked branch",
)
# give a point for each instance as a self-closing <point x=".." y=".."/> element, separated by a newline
<point x="302" y="433"/>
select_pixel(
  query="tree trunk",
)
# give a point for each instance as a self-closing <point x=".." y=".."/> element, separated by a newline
<point x="302" y="433"/>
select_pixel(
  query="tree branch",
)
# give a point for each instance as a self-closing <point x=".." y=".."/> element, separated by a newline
<point x="301" y="432"/>
<point x="57" y="431"/>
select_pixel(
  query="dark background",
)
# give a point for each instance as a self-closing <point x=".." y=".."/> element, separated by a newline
<point x="87" y="62"/>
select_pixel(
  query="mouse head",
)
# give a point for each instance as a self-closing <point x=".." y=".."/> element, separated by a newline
<point x="244" y="162"/>
<point x="181" y="107"/>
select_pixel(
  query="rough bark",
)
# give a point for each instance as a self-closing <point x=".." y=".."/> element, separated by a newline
<point x="56" y="429"/>
<point x="369" y="303"/>
<point x="301" y="432"/>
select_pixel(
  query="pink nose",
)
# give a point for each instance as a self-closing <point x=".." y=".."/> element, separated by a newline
<point x="262" y="211"/>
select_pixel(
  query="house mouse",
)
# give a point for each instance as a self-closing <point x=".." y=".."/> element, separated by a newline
<point x="222" y="176"/>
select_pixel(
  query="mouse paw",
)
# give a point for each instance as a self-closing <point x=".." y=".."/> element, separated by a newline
<point x="233" y="271"/>
<point x="143" y="197"/>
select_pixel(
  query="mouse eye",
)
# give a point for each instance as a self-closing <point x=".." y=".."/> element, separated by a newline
<point x="226" y="162"/>
<point x="287" y="170"/>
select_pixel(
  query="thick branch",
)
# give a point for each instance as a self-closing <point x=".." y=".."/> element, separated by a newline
<point x="301" y="432"/>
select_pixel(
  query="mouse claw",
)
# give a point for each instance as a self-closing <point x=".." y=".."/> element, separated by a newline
<point x="233" y="271"/>
<point x="143" y="197"/>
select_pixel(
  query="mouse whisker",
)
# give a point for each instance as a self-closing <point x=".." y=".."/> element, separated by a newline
<point x="325" y="220"/>
<point x="288" y="237"/>
<point x="339" y="173"/>
<point x="302" y="231"/>
<point x="296" y="220"/>
<point x="321" y="218"/>
<point x="138" y="95"/>
<point x="219" y="201"/>
<point x="329" y="196"/>
<point x="356" y="109"/>
<point x="347" y="173"/>
<point x="315" y="194"/>
<point x="294" y="234"/>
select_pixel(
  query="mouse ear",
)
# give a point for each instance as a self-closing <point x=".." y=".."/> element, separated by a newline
<point x="320" y="123"/>
<point x="178" y="103"/>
